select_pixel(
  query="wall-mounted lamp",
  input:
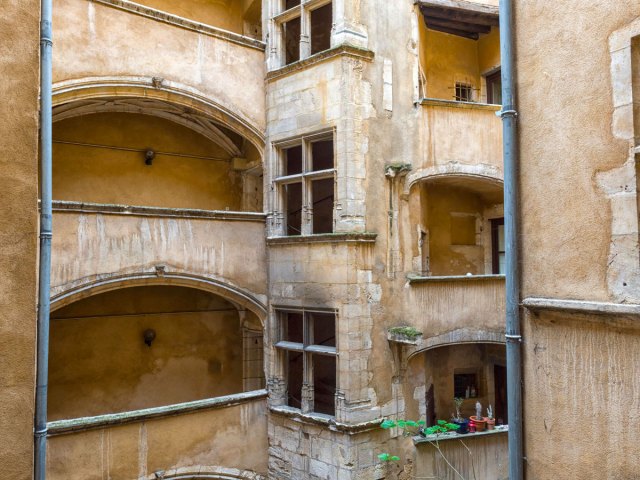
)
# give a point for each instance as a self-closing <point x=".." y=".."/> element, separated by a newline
<point x="149" y="155"/>
<point x="149" y="336"/>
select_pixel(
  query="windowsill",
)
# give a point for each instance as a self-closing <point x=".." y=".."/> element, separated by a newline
<point x="59" y="427"/>
<point x="322" y="419"/>
<point x="340" y="50"/>
<point x="135" y="210"/>
<point x="457" y="436"/>
<point x="453" y="278"/>
<point x="439" y="102"/>
<point x="318" y="418"/>
<point x="324" y="238"/>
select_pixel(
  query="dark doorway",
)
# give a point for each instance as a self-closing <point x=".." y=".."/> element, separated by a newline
<point x="431" y="407"/>
<point x="500" y="383"/>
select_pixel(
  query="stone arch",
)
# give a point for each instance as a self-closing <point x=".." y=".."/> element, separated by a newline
<point x="184" y="104"/>
<point x="456" y="337"/>
<point x="454" y="170"/>
<point x="206" y="473"/>
<point x="239" y="297"/>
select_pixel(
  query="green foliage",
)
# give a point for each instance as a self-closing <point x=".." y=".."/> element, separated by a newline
<point x="442" y="427"/>
<point x="409" y="332"/>
<point x="402" y="424"/>
<point x="385" y="457"/>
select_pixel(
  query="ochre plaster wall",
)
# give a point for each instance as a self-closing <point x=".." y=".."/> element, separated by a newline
<point x="100" y="364"/>
<point x="225" y="14"/>
<point x="449" y="213"/>
<point x="87" y="45"/>
<point x="446" y="59"/>
<point x="104" y="175"/>
<point x="566" y="256"/>
<point x="19" y="44"/>
<point x="576" y="363"/>
<point x="92" y="246"/>
<point x="233" y="437"/>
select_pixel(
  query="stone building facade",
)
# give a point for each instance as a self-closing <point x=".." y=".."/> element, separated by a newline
<point x="278" y="222"/>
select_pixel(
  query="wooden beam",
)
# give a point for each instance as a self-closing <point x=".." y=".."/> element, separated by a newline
<point x="461" y="16"/>
<point x="461" y="5"/>
<point x="453" y="31"/>
<point x="462" y="26"/>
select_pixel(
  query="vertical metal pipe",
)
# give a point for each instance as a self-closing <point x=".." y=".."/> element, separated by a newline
<point x="510" y="155"/>
<point x="44" y="268"/>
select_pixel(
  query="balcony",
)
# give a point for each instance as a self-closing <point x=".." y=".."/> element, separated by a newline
<point x="461" y="133"/>
<point x="476" y="455"/>
<point x="456" y="309"/>
<point x="95" y="242"/>
<point x="166" y="442"/>
<point x="162" y="56"/>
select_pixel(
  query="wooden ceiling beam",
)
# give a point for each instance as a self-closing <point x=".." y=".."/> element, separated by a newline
<point x="460" y="16"/>
<point x="453" y="31"/>
<point x="462" y="26"/>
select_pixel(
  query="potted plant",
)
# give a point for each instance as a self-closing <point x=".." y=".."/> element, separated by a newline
<point x="479" y="419"/>
<point x="491" y="422"/>
<point x="457" y="418"/>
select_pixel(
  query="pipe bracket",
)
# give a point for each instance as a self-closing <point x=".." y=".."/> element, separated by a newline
<point x="507" y="113"/>
<point x="513" y="338"/>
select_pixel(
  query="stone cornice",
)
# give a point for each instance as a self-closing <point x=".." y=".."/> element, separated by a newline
<point x="582" y="306"/>
<point x="344" y="50"/>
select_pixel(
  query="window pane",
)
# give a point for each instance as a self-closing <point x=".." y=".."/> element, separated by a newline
<point x="293" y="160"/>
<point x="294" y="327"/>
<point x="294" y="378"/>
<point x="293" y="199"/>
<point x="494" y="88"/>
<point x="321" y="20"/>
<point x="322" y="155"/>
<point x="291" y="30"/>
<point x="501" y="246"/>
<point x="291" y="3"/>
<point x="502" y="264"/>
<point x="322" y="196"/>
<point x="324" y="384"/>
<point x="324" y="329"/>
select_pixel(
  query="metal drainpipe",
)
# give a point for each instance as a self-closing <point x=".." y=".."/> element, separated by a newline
<point x="44" y="268"/>
<point x="510" y="155"/>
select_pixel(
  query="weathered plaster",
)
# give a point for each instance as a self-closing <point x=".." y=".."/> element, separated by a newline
<point x="19" y="64"/>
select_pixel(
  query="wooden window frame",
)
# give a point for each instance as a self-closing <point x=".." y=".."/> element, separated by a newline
<point x="308" y="349"/>
<point x="306" y="177"/>
<point x="495" y="252"/>
<point x="303" y="12"/>
<point x="490" y="79"/>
